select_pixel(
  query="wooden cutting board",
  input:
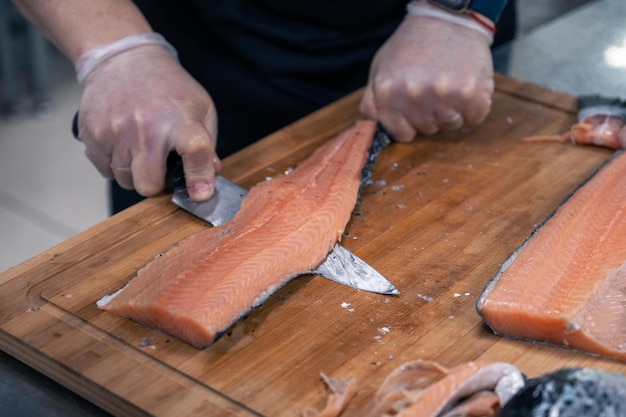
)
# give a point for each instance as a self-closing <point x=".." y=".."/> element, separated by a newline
<point x="444" y="211"/>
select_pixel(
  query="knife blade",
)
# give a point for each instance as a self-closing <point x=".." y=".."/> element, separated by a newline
<point x="340" y="265"/>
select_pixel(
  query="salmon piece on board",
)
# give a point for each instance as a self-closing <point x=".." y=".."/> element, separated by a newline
<point x="601" y="122"/>
<point x="421" y="388"/>
<point x="341" y="391"/>
<point x="566" y="284"/>
<point x="285" y="228"/>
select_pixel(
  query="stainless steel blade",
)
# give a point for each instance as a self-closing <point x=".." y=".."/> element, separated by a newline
<point x="220" y="208"/>
<point x="340" y="265"/>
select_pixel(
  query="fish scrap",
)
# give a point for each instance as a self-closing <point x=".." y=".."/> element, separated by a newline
<point x="601" y="122"/>
<point x="570" y="392"/>
<point x="482" y="388"/>
<point x="426" y="388"/>
<point x="341" y="391"/>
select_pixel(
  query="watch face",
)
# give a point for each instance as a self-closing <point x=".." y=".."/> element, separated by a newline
<point x="455" y="5"/>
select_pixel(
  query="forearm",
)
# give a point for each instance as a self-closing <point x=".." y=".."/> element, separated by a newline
<point x="76" y="26"/>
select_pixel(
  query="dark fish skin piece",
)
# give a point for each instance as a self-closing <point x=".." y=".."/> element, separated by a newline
<point x="615" y="104"/>
<point x="380" y="142"/>
<point x="570" y="392"/>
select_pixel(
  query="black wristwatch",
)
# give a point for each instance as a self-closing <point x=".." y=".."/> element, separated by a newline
<point x="491" y="9"/>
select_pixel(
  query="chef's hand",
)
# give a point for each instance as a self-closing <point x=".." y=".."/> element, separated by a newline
<point x="429" y="75"/>
<point x="138" y="106"/>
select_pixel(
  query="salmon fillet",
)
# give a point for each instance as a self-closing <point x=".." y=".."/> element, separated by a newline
<point x="285" y="228"/>
<point x="566" y="285"/>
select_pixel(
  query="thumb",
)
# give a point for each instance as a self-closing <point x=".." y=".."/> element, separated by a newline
<point x="196" y="147"/>
<point x="368" y="104"/>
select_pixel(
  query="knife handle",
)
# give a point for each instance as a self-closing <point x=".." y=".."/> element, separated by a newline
<point x="174" y="176"/>
<point x="75" y="126"/>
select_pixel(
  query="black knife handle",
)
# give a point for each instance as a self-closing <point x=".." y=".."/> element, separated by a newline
<point x="174" y="176"/>
<point x="75" y="126"/>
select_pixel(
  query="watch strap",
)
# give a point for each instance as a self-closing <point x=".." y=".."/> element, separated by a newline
<point x="467" y="18"/>
<point x="491" y="9"/>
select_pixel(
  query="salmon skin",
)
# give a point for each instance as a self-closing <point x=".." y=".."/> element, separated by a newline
<point x="285" y="227"/>
<point x="570" y="392"/>
<point x="566" y="284"/>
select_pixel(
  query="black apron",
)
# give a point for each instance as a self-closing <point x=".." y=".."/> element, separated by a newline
<point x="267" y="63"/>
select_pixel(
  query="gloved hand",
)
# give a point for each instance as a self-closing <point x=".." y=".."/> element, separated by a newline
<point x="430" y="75"/>
<point x="139" y="105"/>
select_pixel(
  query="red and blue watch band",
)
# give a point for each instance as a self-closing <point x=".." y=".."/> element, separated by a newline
<point x="491" y="9"/>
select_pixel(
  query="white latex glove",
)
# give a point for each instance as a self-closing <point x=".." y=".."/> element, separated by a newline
<point x="429" y="75"/>
<point x="138" y="106"/>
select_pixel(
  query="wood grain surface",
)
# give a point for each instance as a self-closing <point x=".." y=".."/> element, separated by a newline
<point x="443" y="213"/>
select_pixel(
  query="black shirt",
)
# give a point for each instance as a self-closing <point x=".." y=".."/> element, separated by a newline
<point x="266" y="63"/>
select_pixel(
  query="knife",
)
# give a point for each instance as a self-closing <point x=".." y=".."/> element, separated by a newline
<point x="340" y="265"/>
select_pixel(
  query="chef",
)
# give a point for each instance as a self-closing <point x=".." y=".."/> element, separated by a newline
<point x="206" y="78"/>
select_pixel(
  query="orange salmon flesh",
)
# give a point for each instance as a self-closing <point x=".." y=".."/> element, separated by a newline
<point x="566" y="285"/>
<point x="285" y="227"/>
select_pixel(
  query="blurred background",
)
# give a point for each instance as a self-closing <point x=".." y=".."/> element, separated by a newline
<point x="49" y="191"/>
